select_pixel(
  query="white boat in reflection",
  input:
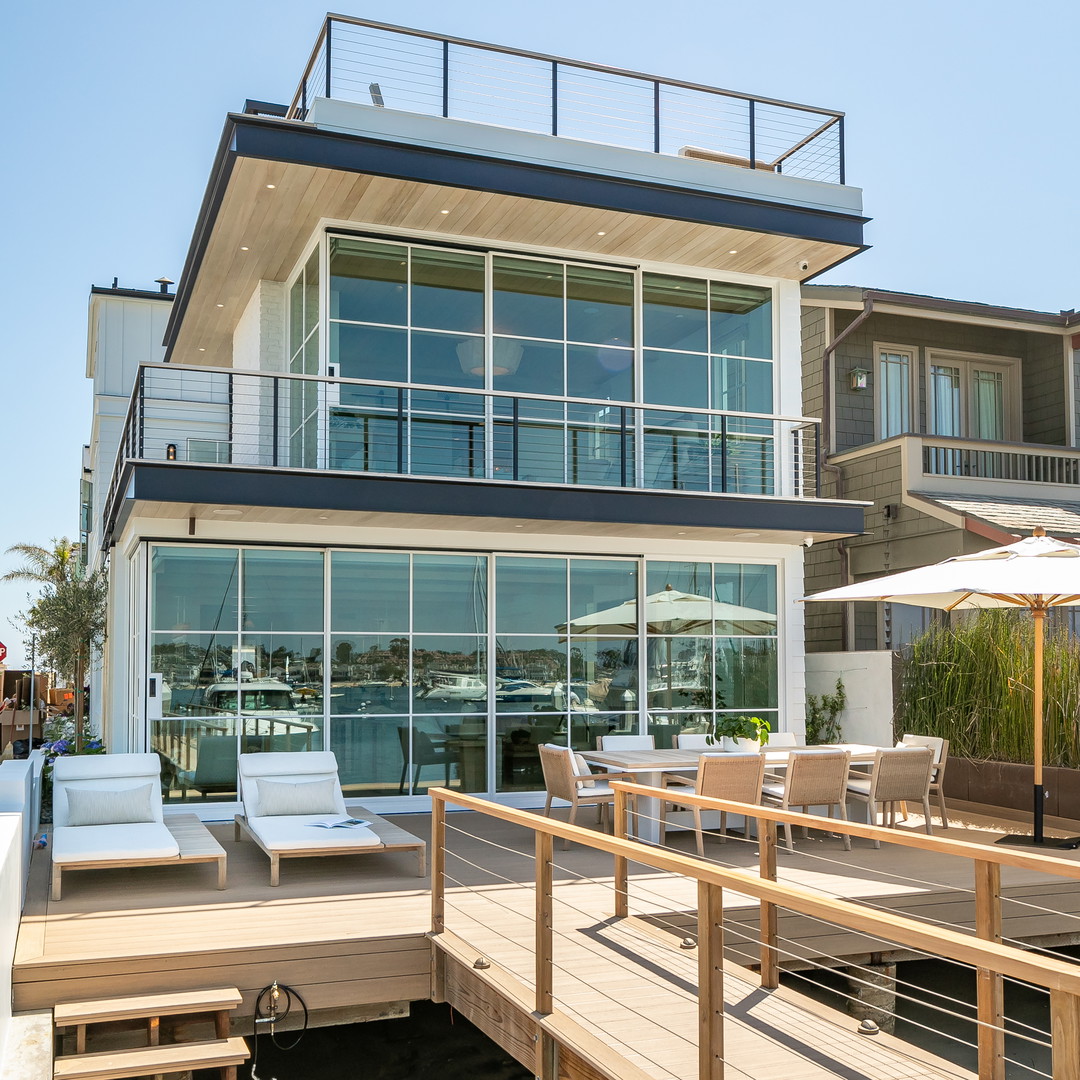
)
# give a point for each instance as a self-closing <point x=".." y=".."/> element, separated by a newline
<point x="453" y="686"/>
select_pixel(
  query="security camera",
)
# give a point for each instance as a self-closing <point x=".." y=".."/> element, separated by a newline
<point x="804" y="265"/>
<point x="807" y="541"/>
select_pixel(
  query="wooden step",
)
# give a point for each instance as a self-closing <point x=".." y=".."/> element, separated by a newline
<point x="150" y="1060"/>
<point x="146" y="1005"/>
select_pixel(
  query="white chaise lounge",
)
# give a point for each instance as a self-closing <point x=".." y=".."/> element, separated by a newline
<point x="107" y="812"/>
<point x="286" y="795"/>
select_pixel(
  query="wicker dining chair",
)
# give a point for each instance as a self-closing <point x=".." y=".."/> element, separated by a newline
<point x="567" y="776"/>
<point x="940" y="747"/>
<point x="813" y="779"/>
<point x="735" y="777"/>
<point x="898" y="776"/>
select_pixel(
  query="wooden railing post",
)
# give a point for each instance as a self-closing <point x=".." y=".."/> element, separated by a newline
<point x="990" y="988"/>
<point x="622" y="872"/>
<point x="710" y="981"/>
<point x="770" y="958"/>
<point x="1065" y="1035"/>
<point x="438" y="865"/>
<point x="544" y="919"/>
<point x="438" y="896"/>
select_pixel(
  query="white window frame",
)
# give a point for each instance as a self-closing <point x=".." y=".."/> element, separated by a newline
<point x="877" y="385"/>
<point x="1010" y="365"/>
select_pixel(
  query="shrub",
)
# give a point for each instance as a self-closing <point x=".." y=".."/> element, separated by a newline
<point x="823" y="715"/>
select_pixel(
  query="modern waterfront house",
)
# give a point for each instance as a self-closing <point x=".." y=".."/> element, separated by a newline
<point x="958" y="421"/>
<point x="481" y="376"/>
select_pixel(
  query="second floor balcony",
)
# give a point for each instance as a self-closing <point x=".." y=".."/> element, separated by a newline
<point x="218" y="418"/>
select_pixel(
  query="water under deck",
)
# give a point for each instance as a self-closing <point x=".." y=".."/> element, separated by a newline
<point x="349" y="934"/>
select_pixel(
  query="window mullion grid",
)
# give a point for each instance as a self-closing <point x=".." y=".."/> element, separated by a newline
<point x="328" y="654"/>
<point x="639" y="382"/>
<point x="489" y="362"/>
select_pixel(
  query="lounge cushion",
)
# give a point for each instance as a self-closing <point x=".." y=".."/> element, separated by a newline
<point x="296" y="833"/>
<point x="125" y="806"/>
<point x="101" y="843"/>
<point x="279" y="798"/>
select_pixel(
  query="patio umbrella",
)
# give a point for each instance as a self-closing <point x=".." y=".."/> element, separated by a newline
<point x="1037" y="573"/>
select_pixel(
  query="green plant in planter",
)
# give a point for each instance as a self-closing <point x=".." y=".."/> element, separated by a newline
<point x="823" y="716"/>
<point x="742" y="727"/>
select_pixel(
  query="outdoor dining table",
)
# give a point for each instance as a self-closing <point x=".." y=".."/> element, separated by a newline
<point x="650" y="767"/>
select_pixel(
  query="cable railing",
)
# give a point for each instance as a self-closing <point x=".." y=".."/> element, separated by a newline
<point x="415" y="71"/>
<point x="547" y="929"/>
<point x="221" y="416"/>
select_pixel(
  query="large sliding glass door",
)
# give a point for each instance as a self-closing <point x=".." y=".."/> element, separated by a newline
<point x="421" y="668"/>
<point x="972" y="398"/>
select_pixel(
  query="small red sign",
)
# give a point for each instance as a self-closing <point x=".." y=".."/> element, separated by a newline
<point x="3" y="652"/>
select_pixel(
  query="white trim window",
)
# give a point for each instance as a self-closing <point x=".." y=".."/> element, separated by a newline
<point x="895" y="365"/>
<point x="973" y="397"/>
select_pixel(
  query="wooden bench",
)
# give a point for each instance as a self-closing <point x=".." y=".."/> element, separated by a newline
<point x="391" y="836"/>
<point x="223" y="1052"/>
<point x="194" y="839"/>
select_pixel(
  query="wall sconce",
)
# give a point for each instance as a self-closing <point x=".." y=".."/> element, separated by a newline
<point x="170" y="452"/>
<point x="860" y="378"/>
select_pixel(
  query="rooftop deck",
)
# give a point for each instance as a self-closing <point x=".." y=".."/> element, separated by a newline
<point x="350" y="935"/>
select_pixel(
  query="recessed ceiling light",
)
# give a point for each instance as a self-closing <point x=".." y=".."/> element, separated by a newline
<point x="601" y="234"/>
<point x="444" y="211"/>
<point x="746" y="535"/>
<point x="270" y="187"/>
<point x="324" y="517"/>
<point x="201" y="349"/>
<point x="228" y="511"/>
<point x="519" y="526"/>
<point x="244" y="249"/>
<point x="681" y="532"/>
<point x="221" y="305"/>
<point x="733" y="251"/>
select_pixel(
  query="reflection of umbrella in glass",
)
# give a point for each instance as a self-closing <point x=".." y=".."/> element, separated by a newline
<point x="671" y="613"/>
<point x="1037" y="573"/>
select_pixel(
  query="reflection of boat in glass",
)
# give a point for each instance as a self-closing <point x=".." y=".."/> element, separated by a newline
<point x="453" y="686"/>
<point x="555" y="698"/>
<point x="265" y="697"/>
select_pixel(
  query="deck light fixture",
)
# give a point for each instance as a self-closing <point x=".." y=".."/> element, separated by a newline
<point x="170" y="452"/>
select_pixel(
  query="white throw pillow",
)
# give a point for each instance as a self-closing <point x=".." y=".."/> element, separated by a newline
<point x="581" y="768"/>
<point x="281" y="799"/>
<point x="131" y="806"/>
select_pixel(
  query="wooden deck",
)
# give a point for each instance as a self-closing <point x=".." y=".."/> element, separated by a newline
<point x="349" y="934"/>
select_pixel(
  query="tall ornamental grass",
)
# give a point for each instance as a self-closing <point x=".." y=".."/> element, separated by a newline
<point x="972" y="683"/>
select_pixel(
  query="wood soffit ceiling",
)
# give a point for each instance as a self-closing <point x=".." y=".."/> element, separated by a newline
<point x="274" y="225"/>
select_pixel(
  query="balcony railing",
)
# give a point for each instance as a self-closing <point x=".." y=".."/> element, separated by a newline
<point x="219" y="416"/>
<point x="994" y="461"/>
<point x="414" y="71"/>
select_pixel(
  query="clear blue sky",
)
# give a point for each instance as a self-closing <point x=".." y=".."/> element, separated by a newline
<point x="961" y="130"/>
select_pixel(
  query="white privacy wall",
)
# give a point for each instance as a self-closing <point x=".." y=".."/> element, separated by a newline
<point x="868" y="683"/>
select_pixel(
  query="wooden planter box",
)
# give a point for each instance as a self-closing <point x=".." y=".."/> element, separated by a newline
<point x="1002" y="783"/>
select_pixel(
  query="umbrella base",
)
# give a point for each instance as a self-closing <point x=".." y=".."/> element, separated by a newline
<point x="1026" y="839"/>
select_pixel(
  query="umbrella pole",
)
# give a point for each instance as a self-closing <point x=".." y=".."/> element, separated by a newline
<point x="1039" y="615"/>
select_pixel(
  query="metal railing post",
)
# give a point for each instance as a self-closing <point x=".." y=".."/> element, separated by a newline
<point x="329" y="61"/>
<point x="989" y="984"/>
<point x="400" y="430"/>
<point x="840" y="136"/>
<point x="554" y="97"/>
<point x="656" y="117"/>
<point x="770" y="957"/>
<point x="544" y="917"/>
<point x="710" y="943"/>
<point x="275" y="431"/>
<point x="445" y="77"/>
<point x="515" y="435"/>
<point x="753" y="135"/>
<point x="723" y="453"/>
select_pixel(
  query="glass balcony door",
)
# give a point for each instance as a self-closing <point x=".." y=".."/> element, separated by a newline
<point x="969" y="399"/>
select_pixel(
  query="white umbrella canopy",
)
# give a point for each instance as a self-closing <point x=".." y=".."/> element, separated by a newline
<point x="670" y="612"/>
<point x="1037" y="573"/>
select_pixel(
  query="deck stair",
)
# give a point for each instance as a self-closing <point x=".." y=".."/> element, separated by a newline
<point x="151" y="1057"/>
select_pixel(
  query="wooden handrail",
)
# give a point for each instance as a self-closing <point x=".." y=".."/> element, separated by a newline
<point x="1045" y="971"/>
<point x="941" y="845"/>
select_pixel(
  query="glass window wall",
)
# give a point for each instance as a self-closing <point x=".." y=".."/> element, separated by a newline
<point x="404" y="313"/>
<point x="424" y="668"/>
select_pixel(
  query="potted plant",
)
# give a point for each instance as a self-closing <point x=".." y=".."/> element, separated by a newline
<point x="748" y="733"/>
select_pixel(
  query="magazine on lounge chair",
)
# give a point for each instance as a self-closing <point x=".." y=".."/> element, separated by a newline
<point x="339" y="823"/>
